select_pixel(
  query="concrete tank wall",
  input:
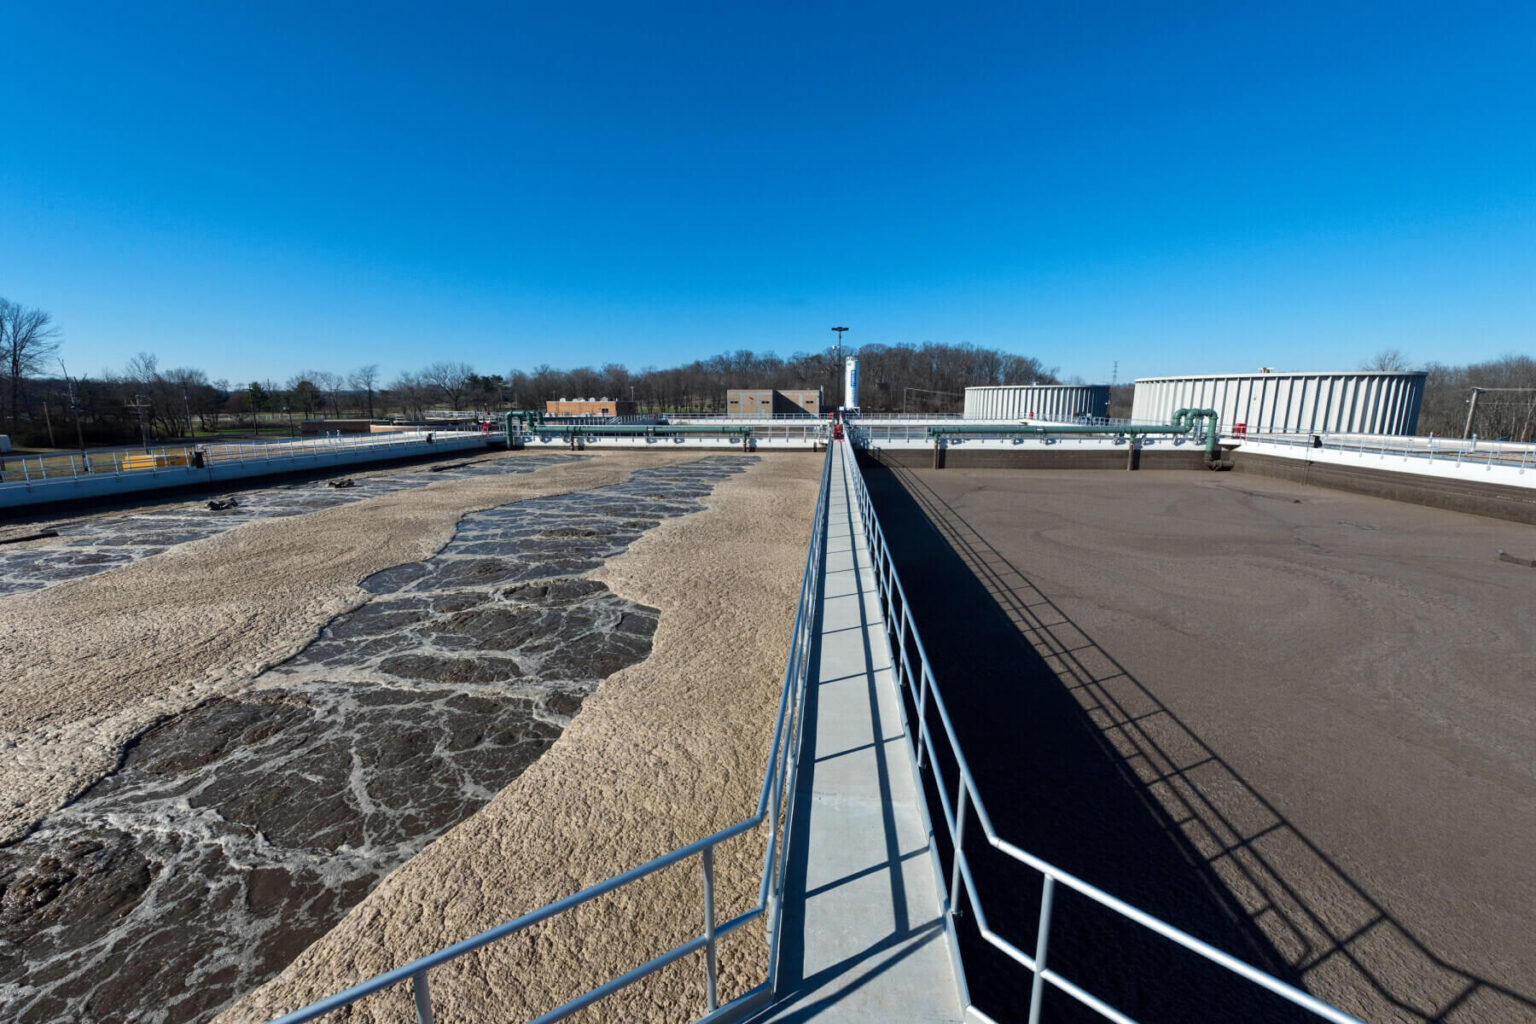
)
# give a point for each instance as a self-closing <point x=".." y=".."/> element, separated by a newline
<point x="1366" y="402"/>
<point x="1059" y="403"/>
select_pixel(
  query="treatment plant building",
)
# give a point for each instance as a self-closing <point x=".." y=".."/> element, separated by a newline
<point x="1360" y="402"/>
<point x="1058" y="403"/>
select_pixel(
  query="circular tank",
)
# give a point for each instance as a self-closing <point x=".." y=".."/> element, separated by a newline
<point x="1055" y="403"/>
<point x="1359" y="402"/>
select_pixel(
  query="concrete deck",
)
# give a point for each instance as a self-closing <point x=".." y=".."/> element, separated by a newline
<point x="863" y="937"/>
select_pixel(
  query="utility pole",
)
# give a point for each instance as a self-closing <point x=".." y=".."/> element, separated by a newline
<point x="138" y="403"/>
<point x="74" y="410"/>
<point x="1471" y="411"/>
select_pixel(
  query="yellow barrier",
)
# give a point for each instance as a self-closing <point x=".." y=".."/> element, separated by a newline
<point x="147" y="461"/>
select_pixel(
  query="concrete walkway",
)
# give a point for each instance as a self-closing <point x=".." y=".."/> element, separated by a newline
<point x="863" y="937"/>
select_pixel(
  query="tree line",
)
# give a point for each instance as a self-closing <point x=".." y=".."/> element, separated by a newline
<point x="147" y="401"/>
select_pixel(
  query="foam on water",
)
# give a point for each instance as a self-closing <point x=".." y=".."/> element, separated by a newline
<point x="234" y="834"/>
<point x="96" y="545"/>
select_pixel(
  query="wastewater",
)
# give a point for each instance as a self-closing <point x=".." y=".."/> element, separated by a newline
<point x="92" y="546"/>
<point x="234" y="834"/>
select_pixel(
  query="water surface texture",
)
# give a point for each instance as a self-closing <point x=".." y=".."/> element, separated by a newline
<point x="234" y="834"/>
<point x="96" y="545"/>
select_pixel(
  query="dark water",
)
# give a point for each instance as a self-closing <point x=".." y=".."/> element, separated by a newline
<point x="97" y="545"/>
<point x="234" y="834"/>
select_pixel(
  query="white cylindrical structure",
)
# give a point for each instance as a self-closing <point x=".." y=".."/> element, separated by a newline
<point x="1356" y="402"/>
<point x="1054" y="403"/>
<point x="851" y="382"/>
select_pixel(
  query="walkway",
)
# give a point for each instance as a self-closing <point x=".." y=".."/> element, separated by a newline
<point x="863" y="933"/>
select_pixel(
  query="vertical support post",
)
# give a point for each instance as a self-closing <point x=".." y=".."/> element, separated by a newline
<point x="708" y="857"/>
<point x="922" y="712"/>
<point x="954" y="874"/>
<point x="423" y="997"/>
<point x="1042" y="940"/>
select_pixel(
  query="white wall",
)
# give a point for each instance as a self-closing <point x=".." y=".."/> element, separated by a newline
<point x="1366" y="402"/>
<point x="1057" y="403"/>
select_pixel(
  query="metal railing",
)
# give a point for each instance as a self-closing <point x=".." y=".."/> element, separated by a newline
<point x="775" y="805"/>
<point x="685" y="417"/>
<point x="865" y="433"/>
<point x="1456" y="450"/>
<point x="805" y="432"/>
<point x="30" y="469"/>
<point x="922" y="688"/>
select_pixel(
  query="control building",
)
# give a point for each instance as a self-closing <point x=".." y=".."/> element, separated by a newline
<point x="769" y="402"/>
<point x="589" y="407"/>
<point x="1357" y="402"/>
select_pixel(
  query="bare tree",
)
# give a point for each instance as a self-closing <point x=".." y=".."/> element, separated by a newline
<point x="451" y="379"/>
<point x="410" y="390"/>
<point x="1387" y="359"/>
<point x="26" y="339"/>
<point x="331" y="384"/>
<point x="366" y="378"/>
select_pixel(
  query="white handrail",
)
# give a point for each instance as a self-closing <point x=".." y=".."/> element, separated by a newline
<point x="774" y="805"/>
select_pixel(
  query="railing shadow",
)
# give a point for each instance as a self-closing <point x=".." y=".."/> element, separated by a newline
<point x="1081" y="764"/>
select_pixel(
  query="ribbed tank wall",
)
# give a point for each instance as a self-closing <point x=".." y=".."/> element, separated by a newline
<point x="1060" y="403"/>
<point x="1363" y="403"/>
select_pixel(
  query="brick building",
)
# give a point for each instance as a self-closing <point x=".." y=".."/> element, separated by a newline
<point x="589" y="407"/>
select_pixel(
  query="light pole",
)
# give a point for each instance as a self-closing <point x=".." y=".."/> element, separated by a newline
<point x="74" y="410"/>
<point x="138" y="404"/>
<point x="839" y="370"/>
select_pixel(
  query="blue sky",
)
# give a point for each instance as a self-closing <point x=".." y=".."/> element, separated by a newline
<point x="264" y="187"/>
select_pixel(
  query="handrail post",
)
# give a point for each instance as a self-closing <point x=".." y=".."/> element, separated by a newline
<point x="423" y="997"/>
<point x="708" y="857"/>
<point x="954" y="874"/>
<point x="922" y="709"/>
<point x="1042" y="940"/>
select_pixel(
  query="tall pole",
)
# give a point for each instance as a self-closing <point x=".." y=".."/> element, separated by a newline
<point x="74" y="410"/>
<point x="138" y="403"/>
<point x="840" y="331"/>
<point x="1471" y="411"/>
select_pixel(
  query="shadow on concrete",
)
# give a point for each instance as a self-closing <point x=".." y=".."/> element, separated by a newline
<point x="1082" y="765"/>
<point x="805" y="991"/>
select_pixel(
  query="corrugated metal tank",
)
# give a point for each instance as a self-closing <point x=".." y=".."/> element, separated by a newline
<point x="1060" y="403"/>
<point x="1363" y="402"/>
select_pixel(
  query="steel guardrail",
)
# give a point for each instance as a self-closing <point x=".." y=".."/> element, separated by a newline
<point x="775" y="804"/>
<point x="922" y="687"/>
<point x="29" y="470"/>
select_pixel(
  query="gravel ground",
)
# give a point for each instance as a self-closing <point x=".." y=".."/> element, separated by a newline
<point x="664" y="752"/>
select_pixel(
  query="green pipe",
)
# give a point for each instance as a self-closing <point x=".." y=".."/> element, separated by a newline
<point x="642" y="429"/>
<point x="1185" y="421"/>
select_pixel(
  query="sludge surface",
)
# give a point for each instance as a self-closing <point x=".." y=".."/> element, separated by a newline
<point x="234" y="834"/>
